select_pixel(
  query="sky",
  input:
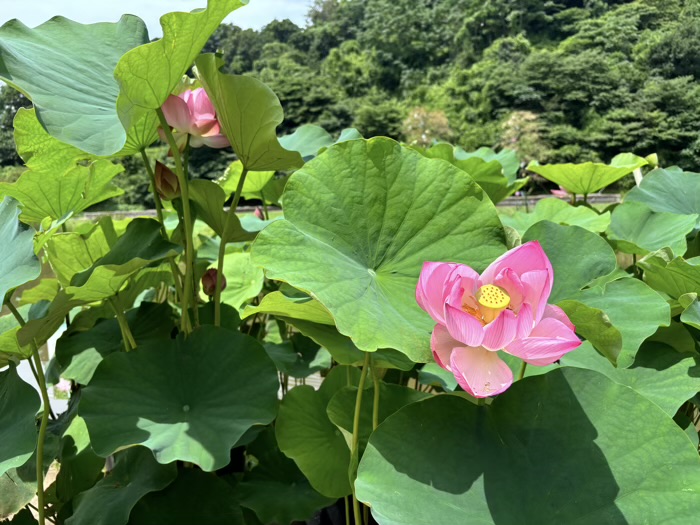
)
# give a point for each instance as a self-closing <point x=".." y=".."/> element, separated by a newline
<point x="256" y="14"/>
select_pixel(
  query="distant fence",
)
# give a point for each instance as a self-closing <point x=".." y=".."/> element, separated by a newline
<point x="520" y="202"/>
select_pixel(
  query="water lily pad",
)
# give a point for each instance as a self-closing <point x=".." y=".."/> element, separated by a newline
<point x="360" y="220"/>
<point x="168" y="397"/>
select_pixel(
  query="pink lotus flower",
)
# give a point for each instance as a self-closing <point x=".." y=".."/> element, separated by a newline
<point x="192" y="113"/>
<point x="504" y="308"/>
<point x="562" y="193"/>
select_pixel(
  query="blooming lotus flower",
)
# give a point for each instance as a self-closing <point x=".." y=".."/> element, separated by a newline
<point x="504" y="308"/>
<point x="192" y="113"/>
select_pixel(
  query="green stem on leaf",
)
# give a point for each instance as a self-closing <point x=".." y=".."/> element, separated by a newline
<point x="127" y="336"/>
<point x="222" y="247"/>
<point x="44" y="418"/>
<point x="187" y="286"/>
<point x="355" y="449"/>
<point x="521" y="374"/>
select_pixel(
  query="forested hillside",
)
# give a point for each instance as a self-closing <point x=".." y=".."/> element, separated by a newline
<point x="560" y="80"/>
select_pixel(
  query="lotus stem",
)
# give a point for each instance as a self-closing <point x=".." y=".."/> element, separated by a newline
<point x="521" y="374"/>
<point x="354" y="452"/>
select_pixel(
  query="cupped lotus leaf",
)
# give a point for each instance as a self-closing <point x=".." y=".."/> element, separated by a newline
<point x="141" y="245"/>
<point x="260" y="185"/>
<point x="691" y="312"/>
<point x="360" y="221"/>
<point x="518" y="462"/>
<point x="195" y="497"/>
<point x="19" y="403"/>
<point x="208" y="201"/>
<point x="149" y="73"/>
<point x="18" y="264"/>
<point x="594" y="325"/>
<point x="79" y="354"/>
<point x="635" y="321"/>
<point x="39" y="330"/>
<point x="67" y="70"/>
<point x="508" y="158"/>
<point x="659" y="373"/>
<point x="281" y="305"/>
<point x="249" y="113"/>
<point x="671" y="191"/>
<point x="244" y="280"/>
<point x="307" y="140"/>
<point x="306" y="434"/>
<point x="168" y="397"/>
<point x="578" y="256"/>
<point x="110" y="501"/>
<point x="589" y="177"/>
<point x="559" y="212"/>
<point x="637" y="229"/>
<point x="275" y="488"/>
<point x="674" y="276"/>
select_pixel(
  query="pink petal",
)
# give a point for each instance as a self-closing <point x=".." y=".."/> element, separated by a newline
<point x="548" y="342"/>
<point x="205" y="127"/>
<point x="501" y="331"/>
<point x="442" y="345"/>
<point x="479" y="372"/>
<point x="525" y="258"/>
<point x="465" y="284"/>
<point x="177" y="114"/>
<point x="510" y="282"/>
<point x="216" y="141"/>
<point x="536" y="287"/>
<point x="463" y="327"/>
<point x="559" y="314"/>
<point x="525" y="321"/>
<point x="200" y="105"/>
<point x="430" y="290"/>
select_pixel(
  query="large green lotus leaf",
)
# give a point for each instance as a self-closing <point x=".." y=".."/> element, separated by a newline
<point x="578" y="256"/>
<point x="360" y="220"/>
<point x="249" y="113"/>
<point x="299" y="357"/>
<point x="141" y="245"/>
<point x="275" y="488"/>
<point x="190" y="400"/>
<point x="260" y="185"/>
<point x="81" y="468"/>
<point x="195" y="497"/>
<point x="560" y="212"/>
<point x="80" y="353"/>
<point x="110" y="501"/>
<point x="17" y="487"/>
<point x="73" y="252"/>
<point x="10" y="349"/>
<point x="208" y="201"/>
<point x="637" y="229"/>
<point x="595" y="325"/>
<point x="41" y="329"/>
<point x="18" y="264"/>
<point x="280" y="305"/>
<point x="19" y="404"/>
<point x="58" y="194"/>
<point x="341" y="407"/>
<point x="148" y="74"/>
<point x="508" y="158"/>
<point x="673" y="276"/>
<point x="691" y="312"/>
<point x="519" y="462"/>
<point x="306" y="434"/>
<point x="589" y="177"/>
<point x="635" y="320"/>
<point x="661" y="374"/>
<point x="244" y="280"/>
<point x="669" y="191"/>
<point x="67" y="70"/>
<point x="308" y="140"/>
<point x="434" y="375"/>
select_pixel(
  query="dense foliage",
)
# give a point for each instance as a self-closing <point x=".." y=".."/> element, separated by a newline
<point x="469" y="365"/>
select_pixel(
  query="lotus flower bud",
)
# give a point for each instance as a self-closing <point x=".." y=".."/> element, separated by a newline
<point x="192" y="113"/>
<point x="259" y="213"/>
<point x="209" y="282"/>
<point x="167" y="185"/>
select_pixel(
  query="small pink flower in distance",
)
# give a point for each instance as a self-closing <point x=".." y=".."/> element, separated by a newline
<point x="562" y="193"/>
<point x="192" y="113"/>
<point x="504" y="308"/>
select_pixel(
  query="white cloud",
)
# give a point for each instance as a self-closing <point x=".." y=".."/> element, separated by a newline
<point x="256" y="14"/>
